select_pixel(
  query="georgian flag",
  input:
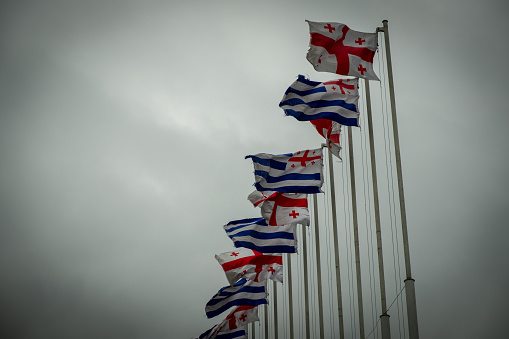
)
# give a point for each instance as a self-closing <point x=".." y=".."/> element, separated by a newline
<point x="234" y="334"/>
<point x="299" y="172"/>
<point x="336" y="48"/>
<point x="238" y="318"/>
<point x="330" y="130"/>
<point x="250" y="264"/>
<point x="282" y="208"/>
<point x="244" y="292"/>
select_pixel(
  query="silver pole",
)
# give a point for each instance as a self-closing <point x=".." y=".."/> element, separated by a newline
<point x="266" y="318"/>
<point x="318" y="267"/>
<point x="356" y="234"/>
<point x="306" y="288"/>
<point x="409" y="282"/>
<point x="336" y="248"/>
<point x="290" y="295"/>
<point x="274" y="288"/>
<point x="252" y="330"/>
<point x="386" y="325"/>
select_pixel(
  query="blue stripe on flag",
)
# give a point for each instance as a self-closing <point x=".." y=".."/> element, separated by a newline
<point x="290" y="189"/>
<point x="269" y="162"/>
<point x="305" y="92"/>
<point x="320" y="103"/>
<point x="293" y="176"/>
<point x="231" y="335"/>
<point x="323" y="115"/>
<point x="261" y="235"/>
<point x="265" y="249"/>
<point x="236" y="302"/>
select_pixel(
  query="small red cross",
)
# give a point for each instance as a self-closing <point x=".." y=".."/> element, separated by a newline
<point x="330" y="28"/>
<point x="333" y="88"/>
<point x="361" y="69"/>
<point x="271" y="270"/>
<point x="234" y="254"/>
<point x="243" y="317"/>
<point x="360" y="41"/>
<point x="293" y="214"/>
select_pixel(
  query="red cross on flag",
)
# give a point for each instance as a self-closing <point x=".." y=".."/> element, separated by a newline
<point x="239" y="317"/>
<point x="336" y="48"/>
<point x="330" y="130"/>
<point x="282" y="208"/>
<point x="251" y="264"/>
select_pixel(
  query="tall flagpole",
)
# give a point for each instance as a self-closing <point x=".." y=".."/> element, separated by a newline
<point x="356" y="234"/>
<point x="290" y="295"/>
<point x="306" y="288"/>
<point x="413" y="329"/>
<point x="336" y="248"/>
<point x="318" y="267"/>
<point x="384" y="318"/>
<point x="274" y="288"/>
<point x="266" y="318"/>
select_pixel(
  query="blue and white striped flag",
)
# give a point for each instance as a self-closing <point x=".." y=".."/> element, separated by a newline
<point x="244" y="292"/>
<point x="299" y="172"/>
<point x="255" y="234"/>
<point x="335" y="100"/>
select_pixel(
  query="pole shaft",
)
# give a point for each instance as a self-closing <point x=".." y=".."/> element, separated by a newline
<point x="306" y="288"/>
<point x="318" y="267"/>
<point x="386" y="332"/>
<point x="274" y="288"/>
<point x="290" y="292"/>
<point x="410" y="292"/>
<point x="266" y="320"/>
<point x="356" y="234"/>
<point x="336" y="248"/>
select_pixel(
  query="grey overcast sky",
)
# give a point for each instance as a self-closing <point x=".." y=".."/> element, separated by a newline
<point x="123" y="131"/>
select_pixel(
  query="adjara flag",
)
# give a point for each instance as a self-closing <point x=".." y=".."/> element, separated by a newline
<point x="244" y="292"/>
<point x="250" y="264"/>
<point x="299" y="172"/>
<point x="336" y="100"/>
<point x="336" y="48"/>
<point x="330" y="130"/>
<point x="282" y="208"/>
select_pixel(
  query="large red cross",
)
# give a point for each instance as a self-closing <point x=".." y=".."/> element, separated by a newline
<point x="303" y="159"/>
<point x="341" y="51"/>
<point x="341" y="85"/>
<point x="293" y="214"/>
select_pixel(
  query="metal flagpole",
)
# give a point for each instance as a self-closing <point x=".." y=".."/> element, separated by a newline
<point x="306" y="289"/>
<point x="318" y="266"/>
<point x="413" y="329"/>
<point x="274" y="288"/>
<point x="253" y="330"/>
<point x="336" y="248"/>
<point x="384" y="318"/>
<point x="266" y="318"/>
<point x="356" y="234"/>
<point x="290" y="295"/>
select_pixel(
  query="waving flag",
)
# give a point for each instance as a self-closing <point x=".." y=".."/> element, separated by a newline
<point x="335" y="100"/>
<point x="238" y="318"/>
<point x="330" y="130"/>
<point x="244" y="292"/>
<point x="250" y="264"/>
<point x="234" y="334"/>
<point x="299" y="172"/>
<point x="282" y="208"/>
<point x="335" y="48"/>
<point x="255" y="234"/>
